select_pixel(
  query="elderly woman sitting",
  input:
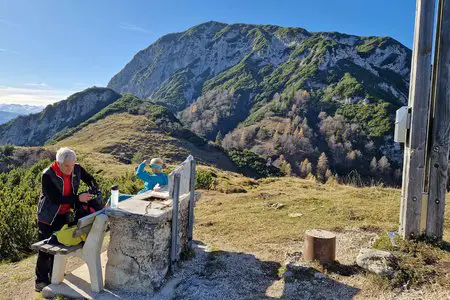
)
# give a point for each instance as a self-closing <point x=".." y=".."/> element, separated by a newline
<point x="59" y="194"/>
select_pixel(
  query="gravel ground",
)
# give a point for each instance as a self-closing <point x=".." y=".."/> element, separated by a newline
<point x="216" y="274"/>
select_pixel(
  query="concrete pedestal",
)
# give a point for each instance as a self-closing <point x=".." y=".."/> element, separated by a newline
<point x="140" y="241"/>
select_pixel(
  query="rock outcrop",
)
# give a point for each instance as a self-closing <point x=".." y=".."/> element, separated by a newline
<point x="376" y="261"/>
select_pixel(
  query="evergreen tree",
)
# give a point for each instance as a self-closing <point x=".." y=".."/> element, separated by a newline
<point x="373" y="167"/>
<point x="328" y="174"/>
<point x="276" y="137"/>
<point x="285" y="166"/>
<point x="219" y="138"/>
<point x="384" y="169"/>
<point x="322" y="166"/>
<point x="305" y="168"/>
<point x="384" y="166"/>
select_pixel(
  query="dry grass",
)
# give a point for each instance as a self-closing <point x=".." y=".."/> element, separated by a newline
<point x="121" y="136"/>
<point x="251" y="223"/>
<point x="248" y="221"/>
<point x="244" y="217"/>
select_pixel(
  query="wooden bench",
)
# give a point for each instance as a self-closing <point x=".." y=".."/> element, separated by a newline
<point x="95" y="226"/>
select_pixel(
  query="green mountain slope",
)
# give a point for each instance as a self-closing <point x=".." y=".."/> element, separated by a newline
<point x="260" y="85"/>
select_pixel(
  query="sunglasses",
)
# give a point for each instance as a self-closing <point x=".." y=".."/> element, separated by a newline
<point x="155" y="166"/>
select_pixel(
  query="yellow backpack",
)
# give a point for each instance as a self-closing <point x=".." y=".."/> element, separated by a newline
<point x="65" y="236"/>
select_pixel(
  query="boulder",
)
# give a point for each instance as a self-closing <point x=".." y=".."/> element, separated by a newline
<point x="376" y="261"/>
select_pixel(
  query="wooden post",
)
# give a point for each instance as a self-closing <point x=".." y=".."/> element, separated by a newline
<point x="175" y="201"/>
<point x="440" y="138"/>
<point x="320" y="245"/>
<point x="191" y="203"/>
<point x="419" y="98"/>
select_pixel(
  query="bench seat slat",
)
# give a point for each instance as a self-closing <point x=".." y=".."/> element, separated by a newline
<point x="37" y="245"/>
<point x="55" y="249"/>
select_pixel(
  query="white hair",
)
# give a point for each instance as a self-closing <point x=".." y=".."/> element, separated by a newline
<point x="65" y="153"/>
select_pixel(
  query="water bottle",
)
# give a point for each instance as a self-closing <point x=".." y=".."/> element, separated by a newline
<point x="114" y="196"/>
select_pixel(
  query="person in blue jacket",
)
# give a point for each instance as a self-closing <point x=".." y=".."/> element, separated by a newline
<point x="151" y="180"/>
<point x="158" y="177"/>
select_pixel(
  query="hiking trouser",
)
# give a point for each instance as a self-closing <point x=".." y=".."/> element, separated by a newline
<point x="44" y="264"/>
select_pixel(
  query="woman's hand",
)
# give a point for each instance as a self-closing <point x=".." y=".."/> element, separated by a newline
<point x="85" y="197"/>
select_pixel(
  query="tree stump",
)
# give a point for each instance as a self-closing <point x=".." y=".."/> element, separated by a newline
<point x="320" y="245"/>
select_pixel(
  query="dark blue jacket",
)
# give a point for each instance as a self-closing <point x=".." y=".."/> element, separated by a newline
<point x="52" y="197"/>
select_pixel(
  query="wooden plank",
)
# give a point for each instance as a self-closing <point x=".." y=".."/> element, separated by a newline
<point x="440" y="137"/>
<point x="82" y="230"/>
<point x="185" y="178"/>
<point x="191" y="203"/>
<point x="174" y="243"/>
<point x="36" y="246"/>
<point x="184" y="170"/>
<point x="89" y="219"/>
<point x="46" y="248"/>
<point x="419" y="98"/>
<point x="55" y="249"/>
<point x="67" y="249"/>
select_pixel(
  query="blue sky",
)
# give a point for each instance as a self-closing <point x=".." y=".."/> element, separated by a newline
<point x="52" y="48"/>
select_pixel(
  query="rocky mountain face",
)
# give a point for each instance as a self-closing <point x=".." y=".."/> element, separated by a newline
<point x="36" y="129"/>
<point x="179" y="67"/>
<point x="284" y="93"/>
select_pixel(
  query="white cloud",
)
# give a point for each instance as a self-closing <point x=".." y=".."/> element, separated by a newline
<point x="3" y="50"/>
<point x="32" y="95"/>
<point x="132" y="27"/>
<point x="38" y="85"/>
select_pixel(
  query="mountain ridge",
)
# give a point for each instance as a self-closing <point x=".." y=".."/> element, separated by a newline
<point x="232" y="79"/>
<point x="213" y="31"/>
<point x="288" y="95"/>
<point x="35" y="129"/>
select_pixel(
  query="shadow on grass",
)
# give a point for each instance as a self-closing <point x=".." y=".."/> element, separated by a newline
<point x="343" y="270"/>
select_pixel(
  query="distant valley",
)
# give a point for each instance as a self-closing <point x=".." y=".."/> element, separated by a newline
<point x="11" y="111"/>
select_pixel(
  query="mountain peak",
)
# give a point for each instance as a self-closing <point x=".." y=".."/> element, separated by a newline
<point x="176" y="69"/>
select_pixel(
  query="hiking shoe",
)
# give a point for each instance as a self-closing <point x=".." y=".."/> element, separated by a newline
<point x="39" y="286"/>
